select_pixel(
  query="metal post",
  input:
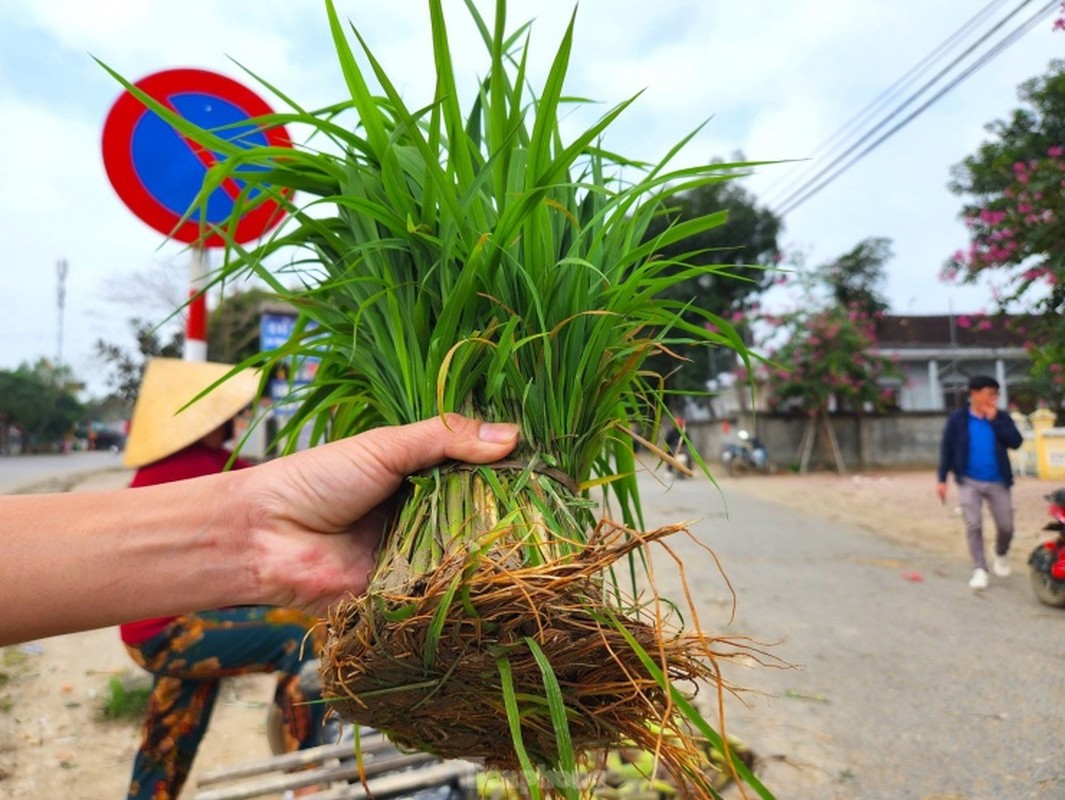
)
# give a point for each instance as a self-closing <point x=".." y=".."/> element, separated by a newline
<point x="196" y="327"/>
<point x="61" y="269"/>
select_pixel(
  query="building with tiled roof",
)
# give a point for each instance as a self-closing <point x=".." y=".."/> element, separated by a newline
<point x="938" y="353"/>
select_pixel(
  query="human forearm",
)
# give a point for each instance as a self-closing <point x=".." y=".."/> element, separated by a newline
<point x="85" y="560"/>
<point x="299" y="531"/>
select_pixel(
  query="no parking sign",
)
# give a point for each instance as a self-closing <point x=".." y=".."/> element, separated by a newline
<point x="157" y="172"/>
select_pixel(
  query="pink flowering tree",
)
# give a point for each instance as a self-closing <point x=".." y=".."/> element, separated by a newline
<point x="828" y="355"/>
<point x="1016" y="223"/>
<point x="829" y="358"/>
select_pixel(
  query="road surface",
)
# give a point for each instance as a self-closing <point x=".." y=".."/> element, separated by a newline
<point x="17" y="472"/>
<point x="906" y="683"/>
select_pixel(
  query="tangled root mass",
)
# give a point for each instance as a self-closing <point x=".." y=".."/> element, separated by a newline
<point x="380" y="667"/>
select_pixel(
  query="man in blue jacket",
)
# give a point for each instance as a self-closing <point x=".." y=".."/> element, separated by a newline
<point x="974" y="449"/>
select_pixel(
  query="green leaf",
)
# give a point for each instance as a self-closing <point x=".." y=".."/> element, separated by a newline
<point x="510" y="702"/>
<point x="567" y="763"/>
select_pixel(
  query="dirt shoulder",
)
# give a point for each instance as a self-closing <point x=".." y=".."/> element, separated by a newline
<point x="900" y="506"/>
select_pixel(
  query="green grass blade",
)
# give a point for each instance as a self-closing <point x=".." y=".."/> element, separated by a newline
<point x="510" y="701"/>
<point x="567" y="763"/>
<point x="688" y="710"/>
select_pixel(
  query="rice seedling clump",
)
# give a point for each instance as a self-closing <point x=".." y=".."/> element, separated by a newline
<point x="432" y="658"/>
<point x="479" y="262"/>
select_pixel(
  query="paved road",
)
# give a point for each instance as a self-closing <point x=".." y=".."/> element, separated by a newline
<point x="17" y="472"/>
<point x="907" y="684"/>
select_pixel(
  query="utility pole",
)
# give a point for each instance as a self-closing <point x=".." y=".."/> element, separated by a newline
<point x="61" y="269"/>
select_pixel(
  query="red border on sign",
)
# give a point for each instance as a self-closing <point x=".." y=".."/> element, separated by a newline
<point x="127" y="112"/>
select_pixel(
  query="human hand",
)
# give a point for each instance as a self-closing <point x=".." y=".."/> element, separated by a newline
<point x="941" y="492"/>
<point x="297" y="504"/>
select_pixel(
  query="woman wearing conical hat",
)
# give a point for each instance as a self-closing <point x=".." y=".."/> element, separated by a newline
<point x="176" y="434"/>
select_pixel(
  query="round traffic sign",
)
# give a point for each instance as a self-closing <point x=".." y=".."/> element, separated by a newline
<point x="157" y="172"/>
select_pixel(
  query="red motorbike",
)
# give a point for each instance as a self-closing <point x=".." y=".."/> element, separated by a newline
<point x="1046" y="564"/>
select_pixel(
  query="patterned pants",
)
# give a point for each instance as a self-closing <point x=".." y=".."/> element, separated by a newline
<point x="189" y="659"/>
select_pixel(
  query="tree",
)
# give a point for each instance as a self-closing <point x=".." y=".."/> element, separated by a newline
<point x="829" y="356"/>
<point x="855" y="277"/>
<point x="232" y="337"/>
<point x="1015" y="219"/>
<point x="233" y="327"/>
<point x="735" y="253"/>
<point x="40" y="401"/>
<point x="828" y="352"/>
<point x="127" y="366"/>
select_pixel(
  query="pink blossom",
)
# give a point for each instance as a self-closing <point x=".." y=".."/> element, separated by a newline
<point x="1056" y="151"/>
<point x="992" y="217"/>
<point x="964" y="321"/>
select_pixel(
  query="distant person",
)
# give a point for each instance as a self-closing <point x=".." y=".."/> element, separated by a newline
<point x="674" y="444"/>
<point x="175" y="437"/>
<point x="975" y="447"/>
<point x="673" y="436"/>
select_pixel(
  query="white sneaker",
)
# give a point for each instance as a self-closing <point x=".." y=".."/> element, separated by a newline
<point x="979" y="579"/>
<point x="1001" y="566"/>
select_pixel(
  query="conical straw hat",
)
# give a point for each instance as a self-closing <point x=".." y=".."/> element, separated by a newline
<point x="161" y="423"/>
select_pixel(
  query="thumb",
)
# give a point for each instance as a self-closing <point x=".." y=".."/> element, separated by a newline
<point x="409" y="448"/>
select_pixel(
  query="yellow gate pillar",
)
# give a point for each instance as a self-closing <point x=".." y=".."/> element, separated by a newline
<point x="1049" y="445"/>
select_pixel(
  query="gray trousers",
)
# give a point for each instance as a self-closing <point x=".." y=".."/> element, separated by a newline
<point x="972" y="494"/>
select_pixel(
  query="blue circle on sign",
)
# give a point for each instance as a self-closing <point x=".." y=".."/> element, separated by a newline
<point x="159" y="172"/>
<point x="176" y="179"/>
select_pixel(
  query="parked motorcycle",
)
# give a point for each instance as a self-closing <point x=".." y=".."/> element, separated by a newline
<point x="1046" y="564"/>
<point x="746" y="455"/>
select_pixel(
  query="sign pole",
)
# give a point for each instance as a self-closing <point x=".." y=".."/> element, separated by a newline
<point x="196" y="327"/>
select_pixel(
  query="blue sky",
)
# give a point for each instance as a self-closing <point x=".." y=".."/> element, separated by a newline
<point x="775" y="79"/>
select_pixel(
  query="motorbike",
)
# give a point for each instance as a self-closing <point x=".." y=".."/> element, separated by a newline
<point x="1046" y="564"/>
<point x="746" y="455"/>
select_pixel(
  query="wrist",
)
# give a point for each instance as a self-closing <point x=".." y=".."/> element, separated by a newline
<point x="241" y="531"/>
<point x="263" y="541"/>
<point x="218" y="543"/>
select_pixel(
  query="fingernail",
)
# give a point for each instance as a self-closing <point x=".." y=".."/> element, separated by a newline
<point x="498" y="432"/>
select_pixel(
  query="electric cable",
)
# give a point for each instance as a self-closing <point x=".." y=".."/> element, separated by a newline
<point x="886" y="96"/>
<point x="818" y="182"/>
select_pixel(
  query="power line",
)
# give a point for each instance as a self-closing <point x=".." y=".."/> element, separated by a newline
<point x="804" y="192"/>
<point x="818" y="182"/>
<point x="889" y="94"/>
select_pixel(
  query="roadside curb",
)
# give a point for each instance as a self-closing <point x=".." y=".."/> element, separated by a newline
<point x="96" y="480"/>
